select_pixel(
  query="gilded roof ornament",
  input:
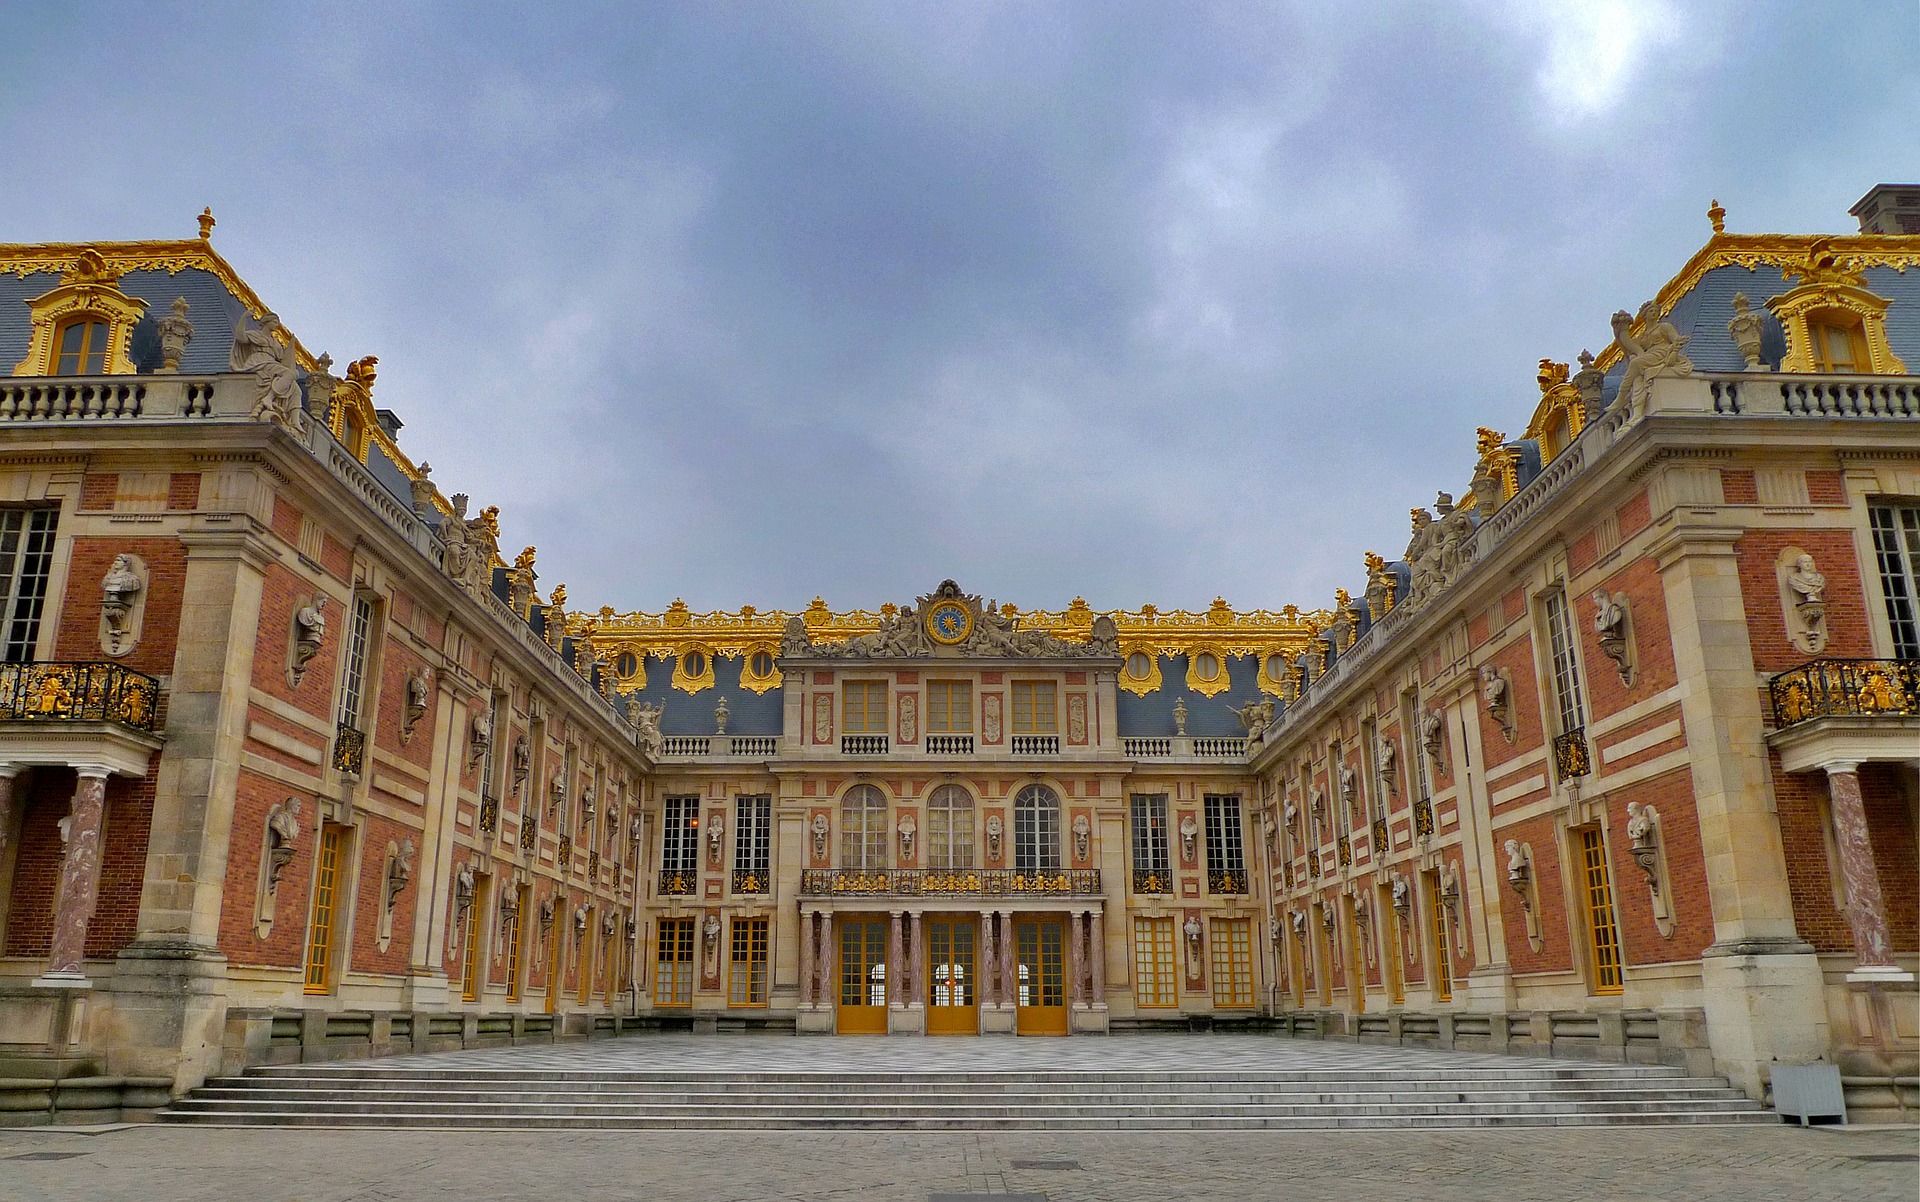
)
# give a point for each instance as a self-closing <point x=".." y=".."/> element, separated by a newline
<point x="1824" y="266"/>
<point x="1718" y="217"/>
<point x="522" y="562"/>
<point x="1552" y="375"/>
<point x="206" y="223"/>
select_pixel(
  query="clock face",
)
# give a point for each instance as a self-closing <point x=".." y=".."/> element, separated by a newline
<point x="949" y="622"/>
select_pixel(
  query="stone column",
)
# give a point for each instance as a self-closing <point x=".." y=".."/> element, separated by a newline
<point x="1076" y="959"/>
<point x="896" y="991"/>
<point x="808" y="961"/>
<point x="1866" y="912"/>
<point x="79" y="881"/>
<point x="988" y="973"/>
<point x="917" y="988"/>
<point x="1009" y="965"/>
<point x="9" y="806"/>
<point x="1098" y="946"/>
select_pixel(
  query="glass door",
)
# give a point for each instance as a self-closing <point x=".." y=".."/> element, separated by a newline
<point x="952" y="1001"/>
<point x="863" y="976"/>
<point x="1040" y="951"/>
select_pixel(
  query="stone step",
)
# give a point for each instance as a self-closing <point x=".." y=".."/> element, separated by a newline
<point x="262" y="1093"/>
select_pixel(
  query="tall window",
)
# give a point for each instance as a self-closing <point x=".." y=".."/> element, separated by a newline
<point x="353" y="685"/>
<point x="1566" y="668"/>
<point x="950" y="828"/>
<point x="494" y="735"/>
<point x="1603" y="937"/>
<point x="1035" y="710"/>
<point x="1232" y="940"/>
<point x="673" y="963"/>
<point x="1442" y="944"/>
<point x="80" y="348"/>
<point x="863" y="707"/>
<point x="949" y="707"/>
<point x="1896" y="544"/>
<point x="26" y="558"/>
<point x="325" y="915"/>
<point x="747" y="963"/>
<point x="1036" y="829"/>
<point x="584" y="985"/>
<point x="680" y="836"/>
<point x="510" y="940"/>
<point x="863" y="828"/>
<point x="1154" y="982"/>
<point x="1226" y="856"/>
<point x="752" y="843"/>
<point x="1152" y="871"/>
<point x="470" y="953"/>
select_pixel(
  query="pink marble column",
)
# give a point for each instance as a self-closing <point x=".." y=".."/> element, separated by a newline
<point x="828" y="990"/>
<point x="916" y="988"/>
<point x="1097" y="941"/>
<point x="896" y="991"/>
<point x="1076" y="960"/>
<point x="10" y="788"/>
<point x="1009" y="965"/>
<point x="1866" y="913"/>
<point x="808" y="961"/>
<point x="989" y="972"/>
<point x="79" y="878"/>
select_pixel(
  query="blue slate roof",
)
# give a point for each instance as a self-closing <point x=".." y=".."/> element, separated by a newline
<point x="1207" y="717"/>
<point x="692" y="713"/>
<point x="210" y="307"/>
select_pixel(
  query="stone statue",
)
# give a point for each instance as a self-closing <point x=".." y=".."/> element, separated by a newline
<point x="556" y="792"/>
<point x="420" y="490"/>
<point x="647" y="719"/>
<point x="1384" y="760"/>
<point x="1300" y="925"/>
<point x="1105" y="637"/>
<point x="1809" y="590"/>
<point x="1380" y="586"/>
<point x="1349" y="788"/>
<point x="464" y="885"/>
<point x="1588" y="382"/>
<point x="399" y="871"/>
<point x="1433" y="729"/>
<point x="1191" y="929"/>
<point x="820" y="830"/>
<point x="1519" y="868"/>
<point x="522" y="761"/>
<point x="309" y="632"/>
<point x="794" y="639"/>
<point x="907" y="829"/>
<point x="457" y="558"/>
<point x="1180" y="717"/>
<point x="283" y="832"/>
<point x="1496" y="695"/>
<point x="119" y="590"/>
<point x="1189" y="838"/>
<point x="1082" y="838"/>
<point x="1746" y="326"/>
<point x="1256" y="716"/>
<point x="720" y="716"/>
<point x="995" y="829"/>
<point x="322" y="384"/>
<point x="1643" y="836"/>
<point x="416" y="703"/>
<point x="175" y="332"/>
<point x="1652" y="354"/>
<point x="479" y="738"/>
<point x="1610" y="624"/>
<point x="710" y="931"/>
<point x="580" y="921"/>
<point x="257" y="351"/>
<point x="1402" y="897"/>
<point x="716" y="838"/>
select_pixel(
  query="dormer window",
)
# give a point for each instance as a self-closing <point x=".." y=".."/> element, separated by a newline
<point x="1839" y="344"/>
<point x="80" y="347"/>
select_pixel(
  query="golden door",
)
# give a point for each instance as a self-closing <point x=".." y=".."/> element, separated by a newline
<point x="1040" y="954"/>
<point x="953" y="1006"/>
<point x="863" y="976"/>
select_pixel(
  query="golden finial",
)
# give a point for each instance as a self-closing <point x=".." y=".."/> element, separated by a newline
<point x="206" y="223"/>
<point x="559" y="597"/>
<point x="1718" y="216"/>
<point x="1551" y="375"/>
<point x="1488" y="441"/>
<point x="1375" y="563"/>
<point x="524" y="561"/>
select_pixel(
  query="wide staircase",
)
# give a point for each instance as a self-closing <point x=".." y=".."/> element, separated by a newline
<point x="1210" y="1083"/>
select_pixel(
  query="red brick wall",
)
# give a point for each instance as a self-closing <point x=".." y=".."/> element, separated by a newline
<point x="36" y="873"/>
<point x="1833" y="552"/>
<point x="1799" y="800"/>
<point x="79" y="633"/>
<point x="1737" y="486"/>
<point x="183" y="490"/>
<point x="97" y="490"/>
<point x="282" y="592"/>
<point x="399" y="660"/>
<point x="1671" y="795"/>
<point x="1516" y="659"/>
<point x="1826" y="488"/>
<point x="254" y="796"/>
<point x="1634" y="515"/>
<point x="375" y="833"/>
<point x="1890" y="825"/>
<point x="1550" y="902"/>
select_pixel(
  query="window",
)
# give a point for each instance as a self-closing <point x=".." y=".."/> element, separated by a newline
<point x="1442" y="946"/>
<point x="680" y="836"/>
<point x="1566" y="668"/>
<point x="1226" y="856"/>
<point x="1139" y="666"/>
<point x="695" y="663"/>
<point x="752" y="843"/>
<point x="80" y="348"/>
<point x="510" y="940"/>
<point x="949" y="707"/>
<point x="1154" y="982"/>
<point x="1034" y="708"/>
<point x="1152" y="871"/>
<point x="1232" y="940"/>
<point x="26" y="558"/>
<point x="584" y="984"/>
<point x="1896" y="544"/>
<point x="863" y="707"/>
<point x="359" y="641"/>
<point x="863" y="828"/>
<point x="950" y="828"/>
<point x="747" y="963"/>
<point x="673" y="963"/>
<point x="326" y="908"/>
<point x="1036" y="828"/>
<point x="1603" y="937"/>
<point x="1839" y="344"/>
<point x="470" y="953"/>
<point x="626" y="665"/>
<point x="1206" y="666"/>
<point x="760" y="665"/>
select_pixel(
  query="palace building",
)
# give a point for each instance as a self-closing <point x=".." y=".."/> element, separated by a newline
<point x="1618" y="759"/>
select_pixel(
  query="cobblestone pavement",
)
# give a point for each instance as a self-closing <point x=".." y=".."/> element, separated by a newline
<point x="165" y="1164"/>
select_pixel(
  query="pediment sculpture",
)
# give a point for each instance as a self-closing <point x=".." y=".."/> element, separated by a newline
<point x="948" y="622"/>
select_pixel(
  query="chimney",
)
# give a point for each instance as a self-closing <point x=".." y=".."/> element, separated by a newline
<point x="1889" y="209"/>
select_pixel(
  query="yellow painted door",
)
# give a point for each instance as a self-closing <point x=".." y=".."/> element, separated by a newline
<point x="952" y="1003"/>
<point x="1040" y="950"/>
<point x="863" y="976"/>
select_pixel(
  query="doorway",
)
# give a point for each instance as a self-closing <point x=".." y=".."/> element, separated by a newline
<point x="1041" y="989"/>
<point x="953" y="1006"/>
<point x="863" y="977"/>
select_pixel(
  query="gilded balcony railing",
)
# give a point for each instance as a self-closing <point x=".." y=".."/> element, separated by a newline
<point x="566" y="852"/>
<point x="1343" y="851"/>
<point x="1423" y="817"/>
<point x="1152" y="880"/>
<point x="529" y="831"/>
<point x="1848" y="688"/>
<point x="950" y="882"/>
<point x="1571" y="757"/>
<point x="679" y="884"/>
<point x="489" y="814"/>
<point x="751" y="880"/>
<point x="1380" y="838"/>
<point x="78" y="692"/>
<point x="349" y="750"/>
<point x="1226" y="880"/>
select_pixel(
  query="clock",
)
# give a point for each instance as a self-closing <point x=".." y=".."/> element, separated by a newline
<point x="949" y="623"/>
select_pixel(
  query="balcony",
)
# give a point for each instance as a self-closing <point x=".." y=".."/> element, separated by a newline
<point x="949" y="744"/>
<point x="349" y="750"/>
<point x="1833" y="710"/>
<point x="752" y="880"/>
<point x="1220" y="749"/>
<point x="950" y="882"/>
<point x="1226" y="881"/>
<point x="1146" y="748"/>
<point x="1152" y="881"/>
<point x="78" y="692"/>
<point x="863" y="744"/>
<point x="1036" y="744"/>
<point x="1571" y="756"/>
<point x="679" y="884"/>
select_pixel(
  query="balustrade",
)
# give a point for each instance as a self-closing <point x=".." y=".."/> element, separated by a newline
<point x="949" y="744"/>
<point x="1849" y="688"/>
<point x="949" y="882"/>
<point x="863" y="744"/>
<point x="1036" y="744"/>
<point x="52" y="691"/>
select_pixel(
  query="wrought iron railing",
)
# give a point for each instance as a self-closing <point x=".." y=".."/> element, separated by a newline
<point x="1152" y="880"/>
<point x="679" y="884"/>
<point x="593" y="863"/>
<point x="1848" y="688"/>
<point x="949" y="882"/>
<point x="1226" y="880"/>
<point x="566" y="852"/>
<point x="1343" y="851"/>
<point x="1423" y="817"/>
<point x="78" y="692"/>
<point x="489" y="814"/>
<point x="529" y="830"/>
<point x="751" y="880"/>
<point x="1381" y="844"/>
<point x="1571" y="756"/>
<point x="349" y="750"/>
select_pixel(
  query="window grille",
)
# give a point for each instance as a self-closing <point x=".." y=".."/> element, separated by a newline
<point x="1155" y="984"/>
<point x="26" y="560"/>
<point x="1036" y="829"/>
<point x="680" y="836"/>
<point x="950" y="828"/>
<point x="1896" y="544"/>
<point x="863" y="828"/>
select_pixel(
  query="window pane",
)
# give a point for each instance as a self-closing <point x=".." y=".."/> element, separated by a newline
<point x="1036" y="829"/>
<point x="26" y="559"/>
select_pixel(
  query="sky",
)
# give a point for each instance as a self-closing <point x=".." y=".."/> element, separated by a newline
<point x="1136" y="302"/>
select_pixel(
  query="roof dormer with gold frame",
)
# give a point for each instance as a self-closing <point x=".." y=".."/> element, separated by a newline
<point x="1832" y="322"/>
<point x="84" y="325"/>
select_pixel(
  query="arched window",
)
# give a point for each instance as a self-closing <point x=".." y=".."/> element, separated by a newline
<point x="80" y="347"/>
<point x="1839" y="343"/>
<point x="863" y="828"/>
<point x="950" y="828"/>
<point x="1036" y="829"/>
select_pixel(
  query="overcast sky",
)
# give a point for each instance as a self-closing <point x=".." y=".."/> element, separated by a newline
<point x="1140" y="302"/>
